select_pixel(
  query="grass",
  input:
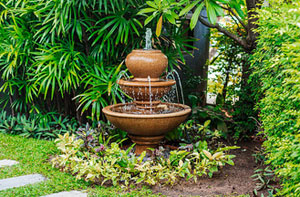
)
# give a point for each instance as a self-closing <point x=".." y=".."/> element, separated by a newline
<point x="33" y="156"/>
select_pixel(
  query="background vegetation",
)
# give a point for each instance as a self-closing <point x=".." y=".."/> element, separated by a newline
<point x="276" y="65"/>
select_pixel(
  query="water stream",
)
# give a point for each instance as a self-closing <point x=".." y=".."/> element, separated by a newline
<point x="150" y="94"/>
<point x="173" y="75"/>
<point x="148" y="39"/>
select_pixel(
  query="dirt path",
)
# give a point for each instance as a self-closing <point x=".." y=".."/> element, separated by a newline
<point x="232" y="180"/>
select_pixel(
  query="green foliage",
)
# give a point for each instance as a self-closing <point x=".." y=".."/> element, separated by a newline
<point x="264" y="178"/>
<point x="228" y="63"/>
<point x="220" y="120"/>
<point x="63" y="56"/>
<point x="276" y="65"/>
<point x="114" y="165"/>
<point x="47" y="126"/>
<point x="192" y="132"/>
<point x="171" y="10"/>
<point x="206" y="123"/>
<point x="234" y="94"/>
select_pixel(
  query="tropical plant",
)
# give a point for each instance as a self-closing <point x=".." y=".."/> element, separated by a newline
<point x="63" y="56"/>
<point x="47" y="126"/>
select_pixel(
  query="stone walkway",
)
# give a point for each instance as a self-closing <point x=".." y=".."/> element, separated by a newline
<point x="7" y="162"/>
<point x="68" y="194"/>
<point x="20" y="181"/>
<point x="31" y="179"/>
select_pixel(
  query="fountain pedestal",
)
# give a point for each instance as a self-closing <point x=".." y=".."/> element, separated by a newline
<point x="147" y="119"/>
<point x="144" y="143"/>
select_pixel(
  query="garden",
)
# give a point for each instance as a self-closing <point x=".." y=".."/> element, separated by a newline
<point x="149" y="98"/>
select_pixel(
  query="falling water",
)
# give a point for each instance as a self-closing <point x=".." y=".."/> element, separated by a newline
<point x="126" y="76"/>
<point x="171" y="75"/>
<point x="180" y="85"/>
<point x="150" y="99"/>
<point x="148" y="39"/>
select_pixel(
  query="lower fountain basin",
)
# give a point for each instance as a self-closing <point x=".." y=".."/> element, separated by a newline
<point x="149" y="123"/>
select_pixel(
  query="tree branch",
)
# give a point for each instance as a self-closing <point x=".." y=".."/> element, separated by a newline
<point x="237" y="39"/>
<point x="236" y="22"/>
<point x="237" y="17"/>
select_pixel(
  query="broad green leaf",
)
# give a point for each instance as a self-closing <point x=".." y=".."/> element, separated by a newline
<point x="211" y="13"/>
<point x="196" y="15"/>
<point x="146" y="10"/>
<point x="149" y="19"/>
<point x="188" y="8"/>
<point x="152" y="4"/>
<point x="170" y="18"/>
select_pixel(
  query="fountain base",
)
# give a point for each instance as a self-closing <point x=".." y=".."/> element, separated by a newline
<point x="143" y="143"/>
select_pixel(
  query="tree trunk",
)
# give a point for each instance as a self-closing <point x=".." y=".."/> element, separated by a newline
<point x="252" y="18"/>
<point x="224" y="91"/>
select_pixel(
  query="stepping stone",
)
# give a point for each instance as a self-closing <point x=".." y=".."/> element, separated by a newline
<point x="7" y="162"/>
<point x="20" y="181"/>
<point x="68" y="194"/>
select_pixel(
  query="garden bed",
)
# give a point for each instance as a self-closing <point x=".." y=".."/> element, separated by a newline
<point x="231" y="180"/>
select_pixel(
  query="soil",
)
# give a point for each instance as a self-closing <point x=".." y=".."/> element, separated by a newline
<point x="230" y="181"/>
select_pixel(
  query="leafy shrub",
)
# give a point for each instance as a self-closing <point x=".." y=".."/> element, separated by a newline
<point x="192" y="132"/>
<point x="106" y="162"/>
<point x="47" y="126"/>
<point x="276" y="65"/>
<point x="234" y="94"/>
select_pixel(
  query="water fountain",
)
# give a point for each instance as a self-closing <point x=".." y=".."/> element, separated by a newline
<point x="146" y="119"/>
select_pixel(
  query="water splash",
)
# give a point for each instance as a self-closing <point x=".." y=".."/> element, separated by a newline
<point x="148" y="39"/>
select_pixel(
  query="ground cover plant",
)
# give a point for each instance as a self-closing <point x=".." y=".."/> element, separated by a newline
<point x="33" y="156"/>
<point x="102" y="161"/>
<point x="276" y="64"/>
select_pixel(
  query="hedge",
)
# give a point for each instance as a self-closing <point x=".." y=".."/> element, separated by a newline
<point x="276" y="66"/>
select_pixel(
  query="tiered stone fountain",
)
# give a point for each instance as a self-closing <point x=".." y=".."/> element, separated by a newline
<point x="147" y="119"/>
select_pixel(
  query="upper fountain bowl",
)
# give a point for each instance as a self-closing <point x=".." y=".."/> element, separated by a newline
<point x="146" y="63"/>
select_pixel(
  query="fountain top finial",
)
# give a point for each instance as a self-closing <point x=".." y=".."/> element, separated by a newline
<point x="148" y="39"/>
